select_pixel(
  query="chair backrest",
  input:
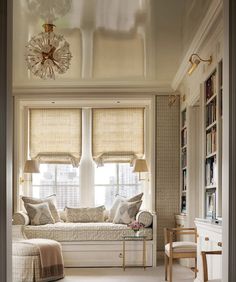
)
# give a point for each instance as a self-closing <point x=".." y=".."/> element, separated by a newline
<point x="171" y="233"/>
<point x="204" y="262"/>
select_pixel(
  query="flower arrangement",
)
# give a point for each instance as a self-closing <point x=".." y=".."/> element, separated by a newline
<point x="135" y="226"/>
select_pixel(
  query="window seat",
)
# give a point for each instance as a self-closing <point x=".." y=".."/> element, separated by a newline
<point x="94" y="244"/>
<point x="66" y="231"/>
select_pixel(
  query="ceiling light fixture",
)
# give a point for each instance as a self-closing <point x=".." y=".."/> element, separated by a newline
<point x="47" y="53"/>
<point x="195" y="60"/>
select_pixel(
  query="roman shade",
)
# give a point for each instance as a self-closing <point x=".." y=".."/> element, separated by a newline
<point x="117" y="135"/>
<point x="55" y="135"/>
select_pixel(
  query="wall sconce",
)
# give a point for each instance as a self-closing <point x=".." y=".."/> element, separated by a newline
<point x="174" y="97"/>
<point x="140" y="166"/>
<point x="195" y="60"/>
<point x="31" y="166"/>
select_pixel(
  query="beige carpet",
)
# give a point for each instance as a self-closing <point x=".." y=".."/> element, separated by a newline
<point x="181" y="274"/>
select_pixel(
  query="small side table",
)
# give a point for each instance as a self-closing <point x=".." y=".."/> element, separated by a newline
<point x="134" y="238"/>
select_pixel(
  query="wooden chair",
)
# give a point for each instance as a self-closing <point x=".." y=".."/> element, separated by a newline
<point x="180" y="249"/>
<point x="204" y="264"/>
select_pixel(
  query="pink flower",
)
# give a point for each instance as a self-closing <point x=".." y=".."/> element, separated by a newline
<point x="135" y="225"/>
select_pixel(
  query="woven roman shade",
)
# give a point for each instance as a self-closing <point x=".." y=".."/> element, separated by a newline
<point x="55" y="135"/>
<point x="117" y="135"/>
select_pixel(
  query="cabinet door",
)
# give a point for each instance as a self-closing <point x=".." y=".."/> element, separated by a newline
<point x="210" y="241"/>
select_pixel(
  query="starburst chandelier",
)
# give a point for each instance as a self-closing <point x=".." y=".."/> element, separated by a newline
<point x="48" y="53"/>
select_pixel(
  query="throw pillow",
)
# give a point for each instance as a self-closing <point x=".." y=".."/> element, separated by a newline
<point x="126" y="212"/>
<point x="85" y="214"/>
<point x="51" y="200"/>
<point x="120" y="199"/>
<point x="39" y="214"/>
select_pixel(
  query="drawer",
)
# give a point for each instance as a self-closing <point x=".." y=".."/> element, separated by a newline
<point x="105" y="258"/>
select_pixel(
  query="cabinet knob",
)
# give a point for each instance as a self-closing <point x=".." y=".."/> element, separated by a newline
<point x="120" y="255"/>
<point x="219" y="244"/>
<point x="207" y="239"/>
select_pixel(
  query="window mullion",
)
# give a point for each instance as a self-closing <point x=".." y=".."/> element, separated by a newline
<point x="55" y="180"/>
<point x="117" y="179"/>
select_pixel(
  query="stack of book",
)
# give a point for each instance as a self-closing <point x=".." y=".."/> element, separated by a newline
<point x="211" y="112"/>
<point x="211" y="171"/>
<point x="184" y="137"/>
<point x="184" y="158"/>
<point x="211" y="86"/>
<point x="211" y="141"/>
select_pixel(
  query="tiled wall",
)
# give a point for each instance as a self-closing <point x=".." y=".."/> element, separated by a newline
<point x="167" y="165"/>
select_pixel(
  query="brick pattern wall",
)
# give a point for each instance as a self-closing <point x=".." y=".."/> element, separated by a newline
<point x="167" y="165"/>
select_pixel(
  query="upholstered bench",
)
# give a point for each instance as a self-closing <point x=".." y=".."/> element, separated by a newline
<point x="28" y="263"/>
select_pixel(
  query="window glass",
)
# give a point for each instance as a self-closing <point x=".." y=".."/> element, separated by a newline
<point x="59" y="179"/>
<point x="113" y="179"/>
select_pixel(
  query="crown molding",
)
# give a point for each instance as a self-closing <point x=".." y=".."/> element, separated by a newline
<point x="203" y="31"/>
<point x="151" y="87"/>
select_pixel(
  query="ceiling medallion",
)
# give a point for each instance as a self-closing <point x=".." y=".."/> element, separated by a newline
<point x="48" y="53"/>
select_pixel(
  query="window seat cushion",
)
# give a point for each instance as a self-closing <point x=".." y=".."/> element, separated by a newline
<point x="99" y="231"/>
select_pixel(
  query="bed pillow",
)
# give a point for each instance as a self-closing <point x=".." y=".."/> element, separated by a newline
<point x="85" y="214"/>
<point x="120" y="199"/>
<point x="51" y="200"/>
<point x="126" y="212"/>
<point x="39" y="214"/>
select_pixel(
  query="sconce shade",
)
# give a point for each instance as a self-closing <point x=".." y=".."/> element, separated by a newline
<point x="140" y="165"/>
<point x="31" y="166"/>
<point x="195" y="60"/>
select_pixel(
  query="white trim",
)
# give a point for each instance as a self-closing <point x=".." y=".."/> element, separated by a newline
<point x="198" y="40"/>
<point x="152" y="87"/>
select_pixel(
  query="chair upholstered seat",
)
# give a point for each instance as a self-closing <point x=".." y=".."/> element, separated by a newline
<point x="24" y="249"/>
<point x="182" y="247"/>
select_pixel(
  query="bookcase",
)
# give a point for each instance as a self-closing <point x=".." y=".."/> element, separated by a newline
<point x="183" y="150"/>
<point x="212" y="104"/>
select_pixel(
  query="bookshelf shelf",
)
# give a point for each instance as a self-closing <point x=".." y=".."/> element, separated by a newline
<point x="211" y="125"/>
<point x="210" y="187"/>
<point x="212" y="104"/>
<point x="183" y="157"/>
<point x="210" y="99"/>
<point x="213" y="154"/>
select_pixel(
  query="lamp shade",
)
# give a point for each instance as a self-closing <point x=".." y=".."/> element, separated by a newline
<point x="31" y="166"/>
<point x="140" y="165"/>
<point x="193" y="66"/>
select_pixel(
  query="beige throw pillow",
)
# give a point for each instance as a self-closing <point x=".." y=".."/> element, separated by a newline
<point x="51" y="200"/>
<point x="126" y="212"/>
<point x="120" y="199"/>
<point x="39" y="214"/>
<point x="85" y="214"/>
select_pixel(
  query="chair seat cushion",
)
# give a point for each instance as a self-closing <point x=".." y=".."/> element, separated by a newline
<point x="182" y="247"/>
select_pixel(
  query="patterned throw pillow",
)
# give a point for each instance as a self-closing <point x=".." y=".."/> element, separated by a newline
<point x="39" y="214"/>
<point x="51" y="200"/>
<point x="120" y="199"/>
<point x="126" y="212"/>
<point x="85" y="214"/>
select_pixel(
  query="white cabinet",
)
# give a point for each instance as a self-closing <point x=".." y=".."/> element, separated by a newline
<point x="209" y="239"/>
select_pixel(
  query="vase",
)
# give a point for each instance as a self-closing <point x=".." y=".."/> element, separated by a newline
<point x="136" y="233"/>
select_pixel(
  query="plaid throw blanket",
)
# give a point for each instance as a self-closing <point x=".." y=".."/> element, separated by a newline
<point x="52" y="264"/>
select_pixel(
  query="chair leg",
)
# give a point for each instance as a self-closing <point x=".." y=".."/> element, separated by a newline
<point x="166" y="266"/>
<point x="170" y="268"/>
<point x="195" y="267"/>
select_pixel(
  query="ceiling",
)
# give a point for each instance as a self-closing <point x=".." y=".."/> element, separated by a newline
<point x="111" y="41"/>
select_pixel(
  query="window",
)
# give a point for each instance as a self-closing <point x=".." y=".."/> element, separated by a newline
<point x="59" y="179"/>
<point x="53" y="139"/>
<point x="113" y="179"/>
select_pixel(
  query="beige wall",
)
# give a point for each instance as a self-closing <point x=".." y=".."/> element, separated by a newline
<point x="167" y="165"/>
